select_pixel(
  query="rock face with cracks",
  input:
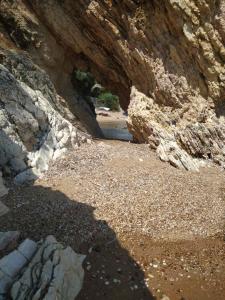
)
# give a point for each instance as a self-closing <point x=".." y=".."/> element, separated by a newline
<point x="44" y="270"/>
<point x="35" y="125"/>
<point x="186" y="146"/>
<point x="171" y="51"/>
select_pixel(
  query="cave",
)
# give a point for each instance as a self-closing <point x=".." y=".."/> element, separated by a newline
<point x="103" y="104"/>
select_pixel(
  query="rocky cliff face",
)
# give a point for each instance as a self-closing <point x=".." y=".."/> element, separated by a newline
<point x="171" y="51"/>
<point x="35" y="125"/>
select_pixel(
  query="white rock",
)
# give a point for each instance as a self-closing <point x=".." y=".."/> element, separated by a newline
<point x="34" y="126"/>
<point x="12" y="263"/>
<point x="60" y="273"/>
<point x="28" y="248"/>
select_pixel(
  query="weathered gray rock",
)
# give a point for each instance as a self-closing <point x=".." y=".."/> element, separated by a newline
<point x="169" y="151"/>
<point x="8" y="240"/>
<point x="45" y="270"/>
<point x="34" y="127"/>
<point x="28" y="175"/>
<point x="12" y="263"/>
<point x="3" y="189"/>
<point x="172" y="51"/>
<point x="184" y="145"/>
<point x="28" y="248"/>
<point x="55" y="272"/>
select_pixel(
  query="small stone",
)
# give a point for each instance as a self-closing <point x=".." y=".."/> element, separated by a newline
<point x="88" y="267"/>
<point x="116" y="280"/>
<point x="164" y="297"/>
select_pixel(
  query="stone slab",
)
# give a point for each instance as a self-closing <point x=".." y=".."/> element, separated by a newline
<point x="12" y="263"/>
<point x="28" y="248"/>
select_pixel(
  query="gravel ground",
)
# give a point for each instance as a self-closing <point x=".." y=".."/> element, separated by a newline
<point x="133" y="191"/>
<point x="147" y="228"/>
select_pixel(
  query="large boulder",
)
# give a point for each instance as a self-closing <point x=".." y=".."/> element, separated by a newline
<point x="186" y="145"/>
<point x="44" y="270"/>
<point x="55" y="272"/>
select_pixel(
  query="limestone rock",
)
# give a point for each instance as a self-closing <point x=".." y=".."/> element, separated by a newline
<point x="55" y="272"/>
<point x="172" y="51"/>
<point x="33" y="123"/>
<point x="44" y="270"/>
<point x="12" y="264"/>
<point x="182" y="144"/>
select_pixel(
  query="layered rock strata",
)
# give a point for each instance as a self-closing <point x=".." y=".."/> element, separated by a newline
<point x="171" y="51"/>
<point x="43" y="270"/>
<point x="35" y="125"/>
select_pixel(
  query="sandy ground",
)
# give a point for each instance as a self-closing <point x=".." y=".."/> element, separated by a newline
<point x="148" y="229"/>
<point x="114" y="126"/>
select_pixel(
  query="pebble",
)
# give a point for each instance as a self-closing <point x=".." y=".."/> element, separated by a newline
<point x="116" y="280"/>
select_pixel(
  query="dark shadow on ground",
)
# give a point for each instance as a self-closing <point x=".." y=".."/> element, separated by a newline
<point x="110" y="272"/>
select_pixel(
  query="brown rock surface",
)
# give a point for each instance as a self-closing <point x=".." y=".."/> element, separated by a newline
<point x="172" y="51"/>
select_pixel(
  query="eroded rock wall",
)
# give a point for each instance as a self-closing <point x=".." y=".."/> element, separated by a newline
<point x="22" y="29"/>
<point x="35" y="124"/>
<point x="171" y="51"/>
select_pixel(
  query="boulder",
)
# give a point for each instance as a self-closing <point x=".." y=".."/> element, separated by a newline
<point x="55" y="272"/>
<point x="184" y="145"/>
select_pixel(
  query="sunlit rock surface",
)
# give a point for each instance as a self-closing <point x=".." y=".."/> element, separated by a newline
<point x="172" y="51"/>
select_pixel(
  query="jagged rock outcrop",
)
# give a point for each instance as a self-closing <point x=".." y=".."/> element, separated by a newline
<point x="35" y="125"/>
<point x="186" y="146"/>
<point x="44" y="270"/>
<point x="172" y="51"/>
<point x="22" y="29"/>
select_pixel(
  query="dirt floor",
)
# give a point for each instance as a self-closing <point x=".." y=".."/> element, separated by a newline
<point x="149" y="231"/>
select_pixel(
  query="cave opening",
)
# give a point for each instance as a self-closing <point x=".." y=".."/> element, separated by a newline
<point x="104" y="104"/>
